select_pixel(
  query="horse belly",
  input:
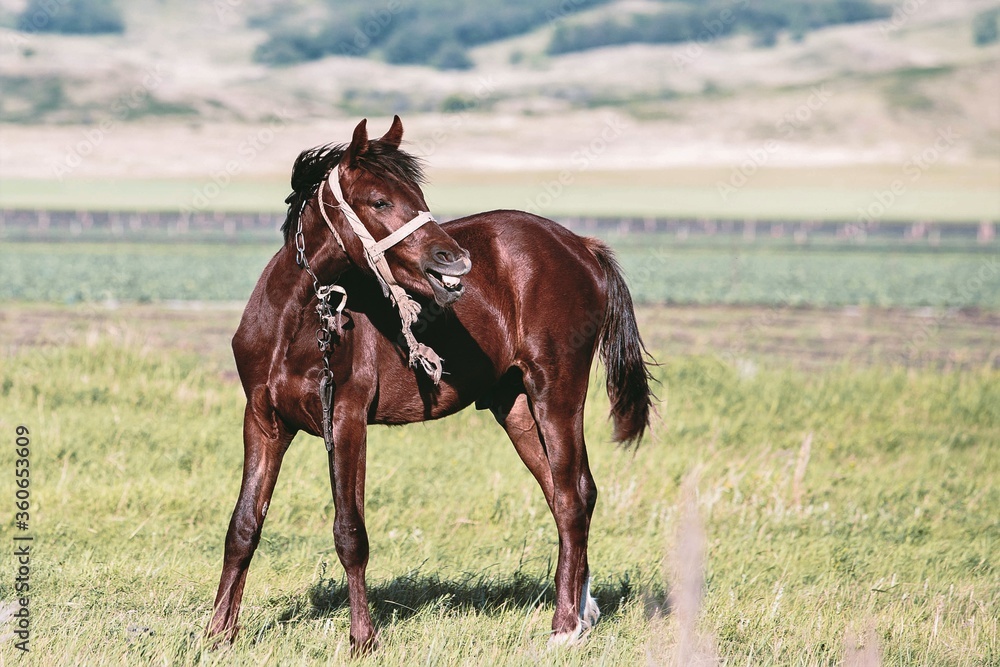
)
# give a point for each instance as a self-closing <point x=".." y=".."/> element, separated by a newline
<point x="406" y="397"/>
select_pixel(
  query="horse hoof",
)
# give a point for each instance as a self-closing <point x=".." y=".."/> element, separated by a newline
<point x="569" y="638"/>
<point x="217" y="638"/>
<point x="361" y="648"/>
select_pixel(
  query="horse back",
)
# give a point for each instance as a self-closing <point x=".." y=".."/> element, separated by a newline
<point x="547" y="276"/>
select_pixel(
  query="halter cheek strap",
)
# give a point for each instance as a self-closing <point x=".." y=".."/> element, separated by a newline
<point x="409" y="310"/>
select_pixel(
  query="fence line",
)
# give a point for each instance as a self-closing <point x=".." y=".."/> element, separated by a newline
<point x="41" y="223"/>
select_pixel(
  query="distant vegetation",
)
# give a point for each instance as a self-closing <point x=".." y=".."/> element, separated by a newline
<point x="985" y="29"/>
<point x="440" y="32"/>
<point x="433" y="32"/>
<point x="765" y="19"/>
<point x="77" y="17"/>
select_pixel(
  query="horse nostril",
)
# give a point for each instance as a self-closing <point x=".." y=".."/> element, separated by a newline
<point x="444" y="256"/>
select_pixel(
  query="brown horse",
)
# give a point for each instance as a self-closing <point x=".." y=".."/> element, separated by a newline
<point x="518" y="328"/>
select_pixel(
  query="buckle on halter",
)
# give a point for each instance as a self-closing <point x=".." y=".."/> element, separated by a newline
<point x="323" y="292"/>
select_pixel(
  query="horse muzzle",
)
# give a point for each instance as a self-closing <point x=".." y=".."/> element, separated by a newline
<point x="444" y="270"/>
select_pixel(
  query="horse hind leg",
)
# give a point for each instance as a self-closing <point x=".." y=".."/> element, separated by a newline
<point x="587" y="607"/>
<point x="517" y="420"/>
<point x="514" y="415"/>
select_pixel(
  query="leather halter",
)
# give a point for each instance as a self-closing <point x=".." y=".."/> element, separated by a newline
<point x="420" y="354"/>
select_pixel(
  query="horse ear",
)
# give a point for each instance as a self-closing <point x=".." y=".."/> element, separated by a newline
<point x="359" y="143"/>
<point x="395" y="134"/>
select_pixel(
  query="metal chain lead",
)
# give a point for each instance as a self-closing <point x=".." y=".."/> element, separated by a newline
<point x="330" y="324"/>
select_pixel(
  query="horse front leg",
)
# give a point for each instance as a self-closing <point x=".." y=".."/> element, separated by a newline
<point x="263" y="453"/>
<point x="347" y="482"/>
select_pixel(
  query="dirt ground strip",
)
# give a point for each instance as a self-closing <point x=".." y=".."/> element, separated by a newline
<point x="799" y="338"/>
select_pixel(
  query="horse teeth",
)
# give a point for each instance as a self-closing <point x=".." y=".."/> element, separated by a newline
<point x="449" y="281"/>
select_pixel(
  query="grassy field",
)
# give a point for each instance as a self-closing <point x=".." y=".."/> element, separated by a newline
<point x="884" y="527"/>
<point x="837" y="447"/>
<point x="772" y="337"/>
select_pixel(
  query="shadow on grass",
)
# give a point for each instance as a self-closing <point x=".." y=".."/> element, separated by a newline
<point x="410" y="594"/>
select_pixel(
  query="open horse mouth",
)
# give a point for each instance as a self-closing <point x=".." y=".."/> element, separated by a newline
<point x="445" y="279"/>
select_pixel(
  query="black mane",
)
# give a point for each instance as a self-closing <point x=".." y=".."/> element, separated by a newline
<point x="312" y="166"/>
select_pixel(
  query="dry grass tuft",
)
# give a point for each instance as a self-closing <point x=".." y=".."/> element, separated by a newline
<point x="800" y="471"/>
<point x="866" y="653"/>
<point x="685" y="567"/>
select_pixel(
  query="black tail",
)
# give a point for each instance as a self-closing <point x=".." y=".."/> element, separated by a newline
<point x="623" y="354"/>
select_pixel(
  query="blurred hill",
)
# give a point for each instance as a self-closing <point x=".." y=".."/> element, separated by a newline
<point x="191" y="73"/>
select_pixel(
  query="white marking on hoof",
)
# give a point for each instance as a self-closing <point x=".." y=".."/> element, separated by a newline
<point x="589" y="611"/>
<point x="569" y="638"/>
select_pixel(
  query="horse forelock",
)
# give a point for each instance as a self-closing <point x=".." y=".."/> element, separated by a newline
<point x="312" y="166"/>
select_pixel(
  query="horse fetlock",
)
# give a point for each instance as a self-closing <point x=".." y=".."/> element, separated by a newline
<point x="364" y="642"/>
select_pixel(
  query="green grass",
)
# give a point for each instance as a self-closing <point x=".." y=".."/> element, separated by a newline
<point x="660" y="270"/>
<point x="135" y="467"/>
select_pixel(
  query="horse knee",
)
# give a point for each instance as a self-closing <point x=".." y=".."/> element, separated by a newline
<point x="242" y="540"/>
<point x="351" y="540"/>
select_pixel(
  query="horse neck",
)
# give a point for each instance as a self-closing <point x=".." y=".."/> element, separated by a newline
<point x="292" y="284"/>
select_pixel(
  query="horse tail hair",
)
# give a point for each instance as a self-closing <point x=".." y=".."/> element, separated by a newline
<point x="623" y="354"/>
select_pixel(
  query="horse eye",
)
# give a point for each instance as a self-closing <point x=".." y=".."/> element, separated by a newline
<point x="381" y="204"/>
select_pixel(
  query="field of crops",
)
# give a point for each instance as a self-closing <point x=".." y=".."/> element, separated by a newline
<point x="660" y="270"/>
<point x="884" y="527"/>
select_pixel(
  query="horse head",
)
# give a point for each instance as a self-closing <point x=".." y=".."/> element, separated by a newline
<point x="384" y="215"/>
